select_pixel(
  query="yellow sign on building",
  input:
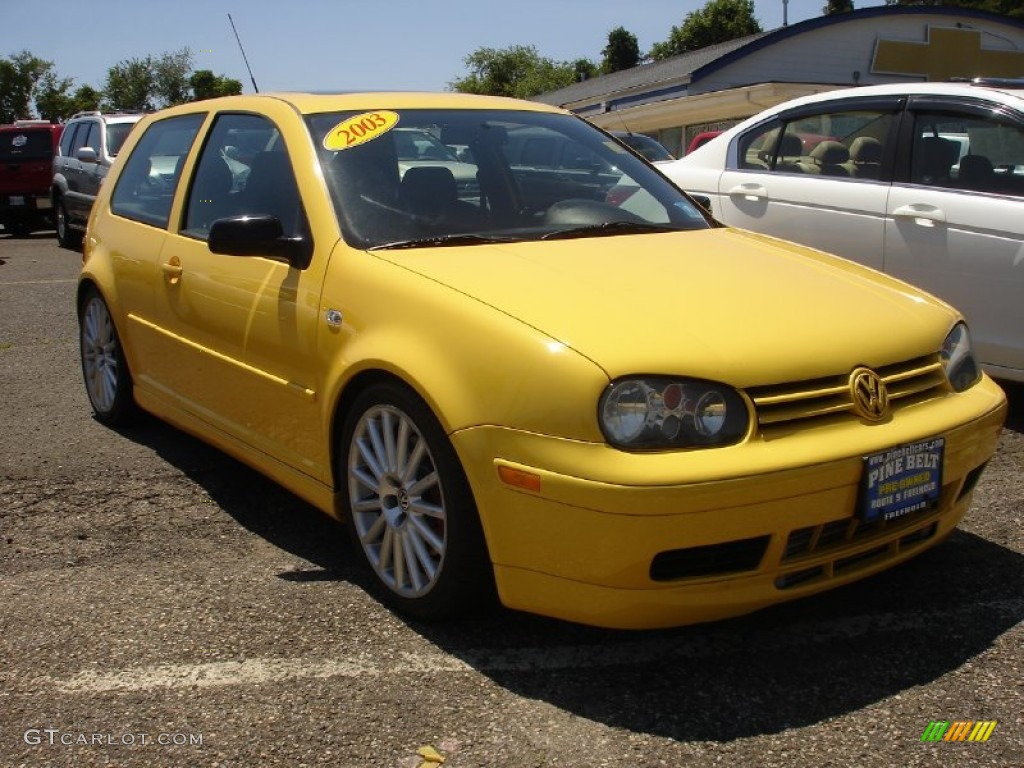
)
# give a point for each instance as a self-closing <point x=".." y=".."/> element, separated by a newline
<point x="947" y="53"/>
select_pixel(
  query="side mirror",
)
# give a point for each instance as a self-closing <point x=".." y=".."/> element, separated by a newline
<point x="258" y="236"/>
<point x="86" y="154"/>
<point x="703" y="201"/>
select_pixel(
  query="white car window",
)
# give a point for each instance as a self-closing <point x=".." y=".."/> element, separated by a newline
<point x="844" y="144"/>
<point x="978" y="154"/>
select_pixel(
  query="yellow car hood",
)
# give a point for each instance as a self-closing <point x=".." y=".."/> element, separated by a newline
<point x="719" y="304"/>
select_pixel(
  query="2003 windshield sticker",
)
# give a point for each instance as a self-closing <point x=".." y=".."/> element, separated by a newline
<point x="360" y="129"/>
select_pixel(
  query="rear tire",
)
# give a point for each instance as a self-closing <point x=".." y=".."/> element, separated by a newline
<point x="409" y="507"/>
<point x="108" y="383"/>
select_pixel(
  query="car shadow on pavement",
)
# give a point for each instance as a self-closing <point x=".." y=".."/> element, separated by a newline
<point x="1015" y="399"/>
<point x="256" y="502"/>
<point x="793" y="665"/>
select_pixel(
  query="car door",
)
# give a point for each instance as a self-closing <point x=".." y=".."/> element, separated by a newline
<point x="93" y="171"/>
<point x="954" y="224"/>
<point x="244" y="328"/>
<point x="77" y="204"/>
<point x="815" y="176"/>
<point x="141" y="204"/>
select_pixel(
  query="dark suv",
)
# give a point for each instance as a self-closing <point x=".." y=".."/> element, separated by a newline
<point x="26" y="155"/>
<point x="91" y="142"/>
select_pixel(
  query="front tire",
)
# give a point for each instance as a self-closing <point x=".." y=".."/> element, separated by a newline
<point x="108" y="382"/>
<point x="409" y="507"/>
<point x="66" y="236"/>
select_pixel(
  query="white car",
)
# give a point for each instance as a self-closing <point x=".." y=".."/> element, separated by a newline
<point x="922" y="181"/>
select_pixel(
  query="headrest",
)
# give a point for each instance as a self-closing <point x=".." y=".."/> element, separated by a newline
<point x="830" y="153"/>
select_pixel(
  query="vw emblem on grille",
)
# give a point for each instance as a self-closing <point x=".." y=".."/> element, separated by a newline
<point x="869" y="395"/>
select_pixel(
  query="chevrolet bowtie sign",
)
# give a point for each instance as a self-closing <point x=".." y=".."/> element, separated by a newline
<point x="945" y="53"/>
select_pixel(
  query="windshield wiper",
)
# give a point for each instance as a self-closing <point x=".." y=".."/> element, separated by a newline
<point x="442" y="240"/>
<point x="610" y="228"/>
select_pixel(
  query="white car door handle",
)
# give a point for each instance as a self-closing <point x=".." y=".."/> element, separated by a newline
<point x="923" y="215"/>
<point x="750" y="191"/>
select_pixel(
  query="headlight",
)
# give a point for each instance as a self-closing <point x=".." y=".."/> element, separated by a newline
<point x="958" y="359"/>
<point x="659" y="412"/>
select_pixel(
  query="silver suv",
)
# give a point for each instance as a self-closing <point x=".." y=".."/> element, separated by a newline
<point x="87" y="149"/>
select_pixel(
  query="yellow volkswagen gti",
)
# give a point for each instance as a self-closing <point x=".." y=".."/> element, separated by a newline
<point x="517" y="361"/>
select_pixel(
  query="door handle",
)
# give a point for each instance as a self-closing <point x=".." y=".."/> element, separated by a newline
<point x="923" y="215"/>
<point x="172" y="270"/>
<point x="750" y="191"/>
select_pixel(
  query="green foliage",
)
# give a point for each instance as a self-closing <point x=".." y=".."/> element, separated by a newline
<point x="30" y="86"/>
<point x="206" y="85"/>
<point x="171" y="74"/>
<point x="518" y="71"/>
<point x="135" y="85"/>
<point x="52" y="99"/>
<point x="837" y="6"/>
<point x="129" y="86"/>
<point x="20" y="77"/>
<point x="717" y="22"/>
<point x="621" y="52"/>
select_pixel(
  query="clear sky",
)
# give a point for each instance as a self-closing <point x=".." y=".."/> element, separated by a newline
<point x="338" y="45"/>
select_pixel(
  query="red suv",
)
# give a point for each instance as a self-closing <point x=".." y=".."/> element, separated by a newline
<point x="26" y="169"/>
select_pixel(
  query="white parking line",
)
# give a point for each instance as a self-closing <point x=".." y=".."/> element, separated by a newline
<point x="709" y="642"/>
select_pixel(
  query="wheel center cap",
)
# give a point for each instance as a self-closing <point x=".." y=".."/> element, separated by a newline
<point x="396" y="507"/>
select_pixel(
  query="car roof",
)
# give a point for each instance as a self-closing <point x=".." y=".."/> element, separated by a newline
<point x="999" y="90"/>
<point x="313" y="103"/>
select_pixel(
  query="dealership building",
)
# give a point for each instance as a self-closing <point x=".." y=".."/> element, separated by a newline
<point x="716" y="87"/>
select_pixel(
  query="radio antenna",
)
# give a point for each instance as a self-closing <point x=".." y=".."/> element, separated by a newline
<point x="244" y="57"/>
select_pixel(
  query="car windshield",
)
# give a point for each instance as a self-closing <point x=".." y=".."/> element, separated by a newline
<point x="411" y="178"/>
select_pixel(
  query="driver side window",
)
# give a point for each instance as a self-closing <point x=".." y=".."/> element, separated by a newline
<point x="243" y="170"/>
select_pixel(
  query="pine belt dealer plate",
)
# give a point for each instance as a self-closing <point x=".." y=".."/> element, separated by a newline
<point x="901" y="480"/>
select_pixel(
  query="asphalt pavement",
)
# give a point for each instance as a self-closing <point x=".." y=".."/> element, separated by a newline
<point x="163" y="605"/>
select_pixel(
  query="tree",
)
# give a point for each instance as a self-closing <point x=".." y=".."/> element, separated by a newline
<point x="129" y="86"/>
<point x="517" y="71"/>
<point x="621" y="52"/>
<point x="837" y="6"/>
<point x="717" y="22"/>
<point x="206" y="85"/>
<point x="171" y="74"/>
<point x="152" y="83"/>
<point x="85" y="99"/>
<point x="584" y="69"/>
<point x="20" y="77"/>
<point x="52" y="100"/>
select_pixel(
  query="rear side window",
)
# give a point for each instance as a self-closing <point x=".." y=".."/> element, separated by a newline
<point x="116" y="134"/>
<point x="66" y="138"/>
<point x="19" y="146"/>
<point x="840" y="144"/>
<point x="145" y="188"/>
<point x="85" y="130"/>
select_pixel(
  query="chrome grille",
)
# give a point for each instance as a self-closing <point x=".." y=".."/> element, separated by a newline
<point x="910" y="381"/>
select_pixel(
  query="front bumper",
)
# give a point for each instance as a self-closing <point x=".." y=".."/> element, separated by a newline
<point x="654" y="540"/>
